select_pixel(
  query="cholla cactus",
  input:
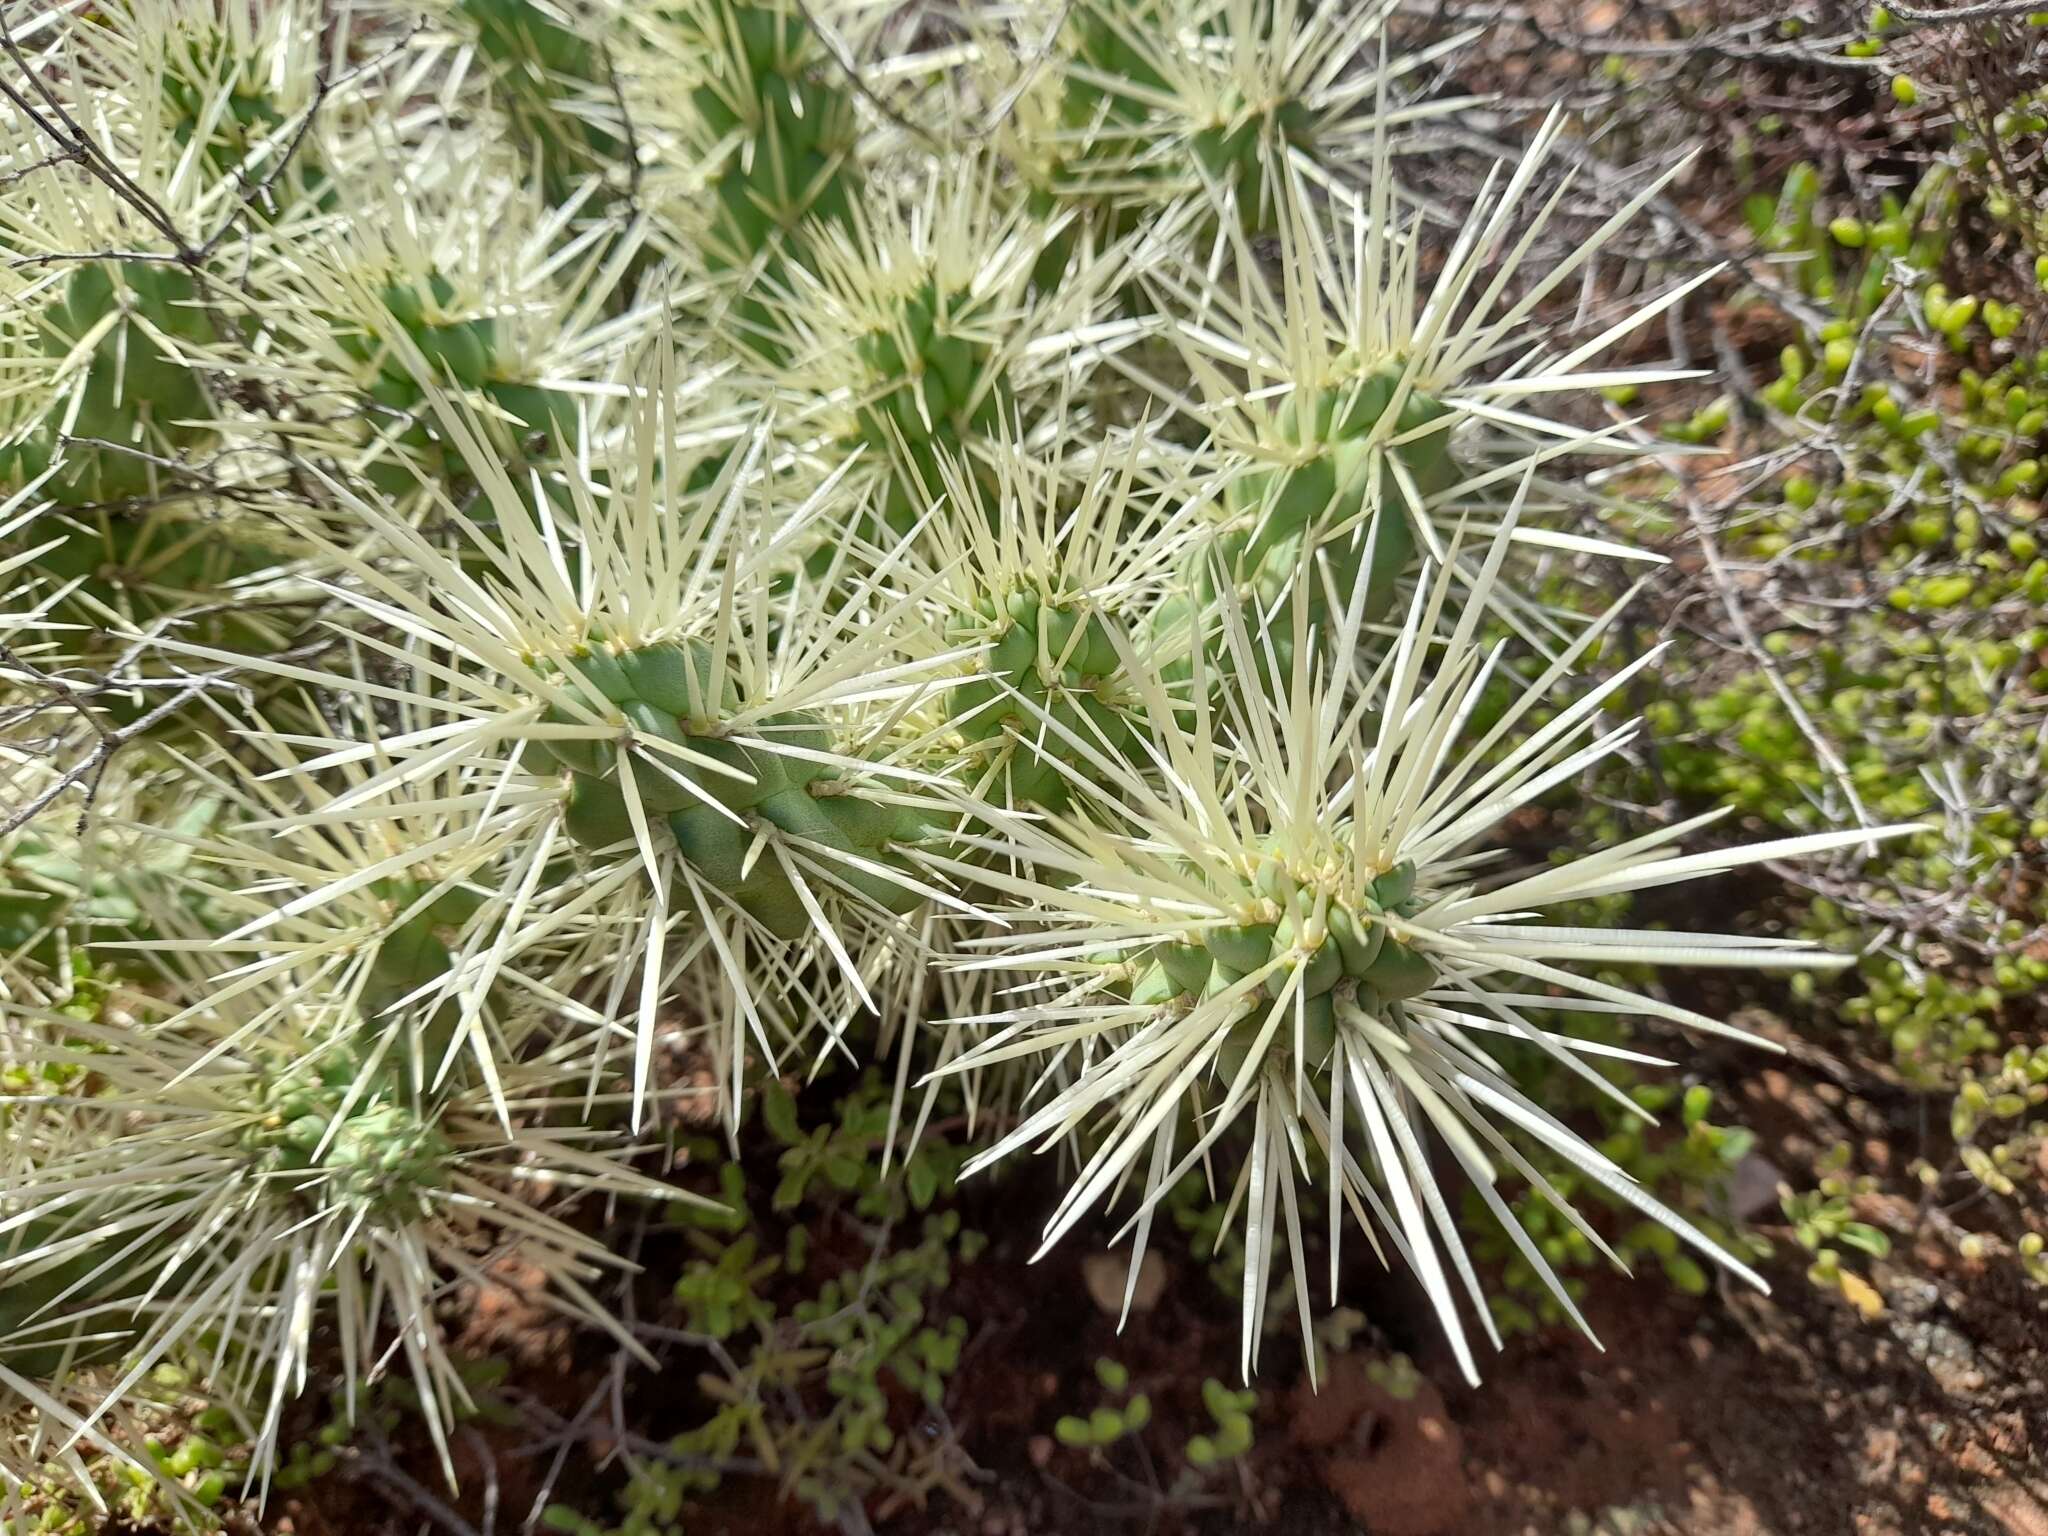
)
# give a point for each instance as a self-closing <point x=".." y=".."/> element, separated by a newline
<point x="527" y="522"/>
<point x="1295" y="921"/>
<point x="691" y="735"/>
<point x="213" y="1202"/>
<point x="921" y="333"/>
<point x="470" y="282"/>
<point x="1150" y="106"/>
<point x="1360" y="417"/>
<point x="1053" y="593"/>
<point x="745" y="101"/>
<point x="554" y="83"/>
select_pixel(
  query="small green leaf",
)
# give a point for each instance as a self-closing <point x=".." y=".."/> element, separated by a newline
<point x="1685" y="1274"/>
<point x="778" y="1113"/>
<point x="1699" y="1098"/>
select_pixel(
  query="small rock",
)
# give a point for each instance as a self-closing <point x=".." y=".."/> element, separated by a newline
<point x="1754" y="1187"/>
<point x="1039" y="1447"/>
<point x="1106" y="1274"/>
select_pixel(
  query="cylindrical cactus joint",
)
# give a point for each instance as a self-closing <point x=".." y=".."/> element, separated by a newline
<point x="1313" y="501"/>
<point x="1051" y="675"/>
<point x="137" y="402"/>
<point x="926" y="393"/>
<point x="461" y="351"/>
<point x="1237" y="150"/>
<point x="546" y="64"/>
<point x="1338" y="942"/>
<point x="326" y="1136"/>
<point x="788" y="129"/>
<point x="719" y="795"/>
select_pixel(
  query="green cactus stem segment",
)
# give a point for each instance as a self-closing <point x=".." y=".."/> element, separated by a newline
<point x="1102" y="40"/>
<point x="137" y="400"/>
<point x="36" y="1298"/>
<point x="1234" y="153"/>
<point x="212" y="94"/>
<point x="1315" y="502"/>
<point x="1343" y="952"/>
<point x="246" y="119"/>
<point x="51" y="903"/>
<point x="463" y="352"/>
<point x="544" y="67"/>
<point x="323" y="1134"/>
<point x="148" y="564"/>
<point x="1106" y="156"/>
<point x="416" y="953"/>
<point x="508" y="30"/>
<point x="1048" y="660"/>
<point x="720" y="820"/>
<point x="787" y="129"/>
<point x="927" y="393"/>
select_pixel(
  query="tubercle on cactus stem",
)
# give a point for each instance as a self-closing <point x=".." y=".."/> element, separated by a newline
<point x="1337" y="941"/>
<point x="928" y="391"/>
<point x="319" y="1128"/>
<point x="1051" y="572"/>
<point x="1051" y="693"/>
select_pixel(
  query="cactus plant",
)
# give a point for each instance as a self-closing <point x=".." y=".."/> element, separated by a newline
<point x="513" y="554"/>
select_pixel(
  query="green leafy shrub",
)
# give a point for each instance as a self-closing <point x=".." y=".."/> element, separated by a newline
<point x="1901" y="676"/>
<point x="815" y="1363"/>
